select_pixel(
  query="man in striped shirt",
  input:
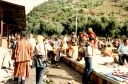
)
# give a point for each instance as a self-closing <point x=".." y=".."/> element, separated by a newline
<point x="22" y="57"/>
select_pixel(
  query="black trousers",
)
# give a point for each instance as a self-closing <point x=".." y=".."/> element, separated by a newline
<point x="122" y="58"/>
<point x="16" y="80"/>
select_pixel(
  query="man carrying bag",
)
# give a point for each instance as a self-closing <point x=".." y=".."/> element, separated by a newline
<point x="40" y="58"/>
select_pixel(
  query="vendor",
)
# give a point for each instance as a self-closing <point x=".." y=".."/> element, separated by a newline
<point x="81" y="51"/>
<point x="6" y="67"/>
<point x="91" y="33"/>
<point x="123" y="52"/>
<point x="107" y="51"/>
<point x="70" y="50"/>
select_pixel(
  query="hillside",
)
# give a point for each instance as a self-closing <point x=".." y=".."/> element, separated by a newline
<point x="59" y="16"/>
<point x="117" y="7"/>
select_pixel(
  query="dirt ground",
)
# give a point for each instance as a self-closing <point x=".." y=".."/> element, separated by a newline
<point x="64" y="75"/>
<point x="59" y="75"/>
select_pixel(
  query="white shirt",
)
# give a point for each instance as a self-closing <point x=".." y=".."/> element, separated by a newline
<point x="5" y="61"/>
<point x="40" y="49"/>
<point x="88" y="51"/>
<point x="65" y="39"/>
<point x="120" y="47"/>
<point x="32" y="42"/>
<point x="124" y="50"/>
<point x="49" y="47"/>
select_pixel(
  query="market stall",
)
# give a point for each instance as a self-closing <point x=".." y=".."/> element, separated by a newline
<point x="105" y="71"/>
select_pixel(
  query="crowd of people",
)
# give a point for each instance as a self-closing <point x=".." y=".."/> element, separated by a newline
<point x="37" y="50"/>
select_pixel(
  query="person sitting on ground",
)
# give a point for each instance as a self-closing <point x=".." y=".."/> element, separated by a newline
<point x="70" y="50"/>
<point x="107" y="51"/>
<point x="100" y="45"/>
<point x="6" y="65"/>
<point x="81" y="51"/>
<point x="123" y="52"/>
<point x="56" y="52"/>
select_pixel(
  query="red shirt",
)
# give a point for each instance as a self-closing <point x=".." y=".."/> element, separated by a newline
<point x="92" y="34"/>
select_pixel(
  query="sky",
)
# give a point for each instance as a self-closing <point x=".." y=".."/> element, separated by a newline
<point x="29" y="4"/>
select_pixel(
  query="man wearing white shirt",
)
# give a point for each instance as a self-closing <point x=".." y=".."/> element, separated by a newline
<point x="32" y="42"/>
<point x="123" y="52"/>
<point x="88" y="60"/>
<point x="40" y="50"/>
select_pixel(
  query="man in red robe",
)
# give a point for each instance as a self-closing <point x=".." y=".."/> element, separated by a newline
<point x="91" y="33"/>
<point x="22" y="58"/>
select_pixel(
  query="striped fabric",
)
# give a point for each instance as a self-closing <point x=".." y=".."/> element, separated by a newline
<point x="22" y="55"/>
<point x="23" y="51"/>
<point x="21" y="69"/>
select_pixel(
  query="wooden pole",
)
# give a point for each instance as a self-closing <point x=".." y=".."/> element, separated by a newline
<point x="1" y="25"/>
<point x="76" y="22"/>
<point x="1" y="34"/>
<point x="8" y="35"/>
